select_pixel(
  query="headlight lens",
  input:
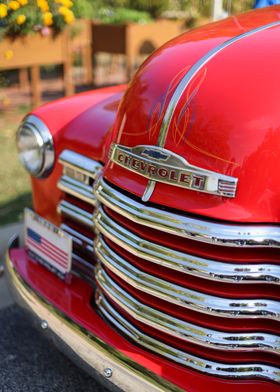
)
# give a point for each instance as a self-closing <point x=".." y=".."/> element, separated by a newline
<point x="35" y="146"/>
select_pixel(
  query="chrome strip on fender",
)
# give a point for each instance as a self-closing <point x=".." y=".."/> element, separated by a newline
<point x="179" y="295"/>
<point x="183" y="262"/>
<point x="240" y="371"/>
<point x="184" y="226"/>
<point x="257" y="341"/>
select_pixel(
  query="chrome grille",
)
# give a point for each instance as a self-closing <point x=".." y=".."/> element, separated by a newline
<point x="122" y="282"/>
<point x="200" y="364"/>
<point x="78" y="175"/>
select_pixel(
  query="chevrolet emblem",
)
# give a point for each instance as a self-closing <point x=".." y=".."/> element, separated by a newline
<point x="161" y="165"/>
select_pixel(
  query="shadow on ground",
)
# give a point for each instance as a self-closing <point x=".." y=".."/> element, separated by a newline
<point x="12" y="211"/>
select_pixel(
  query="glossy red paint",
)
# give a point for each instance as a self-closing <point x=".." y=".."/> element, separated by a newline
<point x="227" y="120"/>
<point x="227" y="127"/>
<point x="74" y="301"/>
<point x="80" y="123"/>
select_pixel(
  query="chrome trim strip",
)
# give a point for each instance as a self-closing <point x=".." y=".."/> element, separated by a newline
<point x="87" y="350"/>
<point x="205" y="337"/>
<point x="76" y="214"/>
<point x="183" y="262"/>
<point x="230" y="370"/>
<point x="77" y="189"/>
<point x="190" y="299"/>
<point x="78" y="238"/>
<point x="193" y="71"/>
<point x="183" y="85"/>
<point x="80" y="163"/>
<point x="183" y="226"/>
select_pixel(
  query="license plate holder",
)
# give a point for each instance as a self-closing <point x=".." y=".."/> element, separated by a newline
<point x="47" y="243"/>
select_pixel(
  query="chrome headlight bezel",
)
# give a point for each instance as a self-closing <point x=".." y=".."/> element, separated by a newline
<point x="44" y="140"/>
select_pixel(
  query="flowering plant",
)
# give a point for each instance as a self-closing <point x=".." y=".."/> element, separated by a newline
<point x="22" y="17"/>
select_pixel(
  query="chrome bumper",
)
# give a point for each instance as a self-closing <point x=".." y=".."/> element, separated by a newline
<point x="103" y="362"/>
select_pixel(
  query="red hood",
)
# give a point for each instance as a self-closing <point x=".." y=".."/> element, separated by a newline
<point x="227" y="119"/>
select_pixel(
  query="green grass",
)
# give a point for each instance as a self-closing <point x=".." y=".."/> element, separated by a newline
<point x="15" y="192"/>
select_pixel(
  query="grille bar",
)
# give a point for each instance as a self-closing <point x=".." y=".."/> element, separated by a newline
<point x="76" y="214"/>
<point x="194" y="300"/>
<point x="80" y="164"/>
<point x="79" y="238"/>
<point x="183" y="262"/>
<point x="191" y="228"/>
<point x="205" y="337"/>
<point x="77" y="189"/>
<point x="240" y="371"/>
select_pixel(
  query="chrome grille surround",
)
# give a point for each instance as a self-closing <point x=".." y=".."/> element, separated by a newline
<point x="83" y="172"/>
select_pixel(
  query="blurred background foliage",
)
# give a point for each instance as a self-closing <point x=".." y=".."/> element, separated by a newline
<point x="118" y="11"/>
<point x="20" y="17"/>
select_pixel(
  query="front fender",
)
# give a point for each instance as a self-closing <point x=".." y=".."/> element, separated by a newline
<point x="81" y="123"/>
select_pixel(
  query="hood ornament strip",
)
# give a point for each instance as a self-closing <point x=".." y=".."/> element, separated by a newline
<point x="147" y="160"/>
<point x="194" y="70"/>
<point x="161" y="165"/>
<point x="191" y="73"/>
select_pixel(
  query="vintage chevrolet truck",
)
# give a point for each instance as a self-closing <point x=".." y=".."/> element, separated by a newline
<point x="151" y="255"/>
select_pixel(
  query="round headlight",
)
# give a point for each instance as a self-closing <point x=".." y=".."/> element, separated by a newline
<point x="35" y="146"/>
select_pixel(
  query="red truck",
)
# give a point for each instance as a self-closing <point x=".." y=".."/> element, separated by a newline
<point x="151" y="254"/>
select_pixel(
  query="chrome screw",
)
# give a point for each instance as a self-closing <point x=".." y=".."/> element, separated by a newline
<point x="108" y="372"/>
<point x="44" y="324"/>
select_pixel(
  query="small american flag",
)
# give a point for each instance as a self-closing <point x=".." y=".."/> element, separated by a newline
<point x="39" y="244"/>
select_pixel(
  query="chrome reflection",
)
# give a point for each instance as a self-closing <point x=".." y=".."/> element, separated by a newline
<point x="183" y="262"/>
<point x="194" y="300"/>
<point x="205" y="337"/>
<point x="76" y="214"/>
<point x="78" y="238"/>
<point x="232" y="370"/>
<point x="78" y="175"/>
<point x="184" y="226"/>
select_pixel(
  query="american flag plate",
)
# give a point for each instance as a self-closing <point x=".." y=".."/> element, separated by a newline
<point x="47" y="243"/>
